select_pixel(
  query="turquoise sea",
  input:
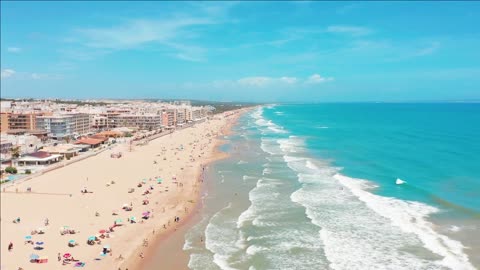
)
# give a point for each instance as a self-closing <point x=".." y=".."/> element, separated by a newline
<point x="344" y="186"/>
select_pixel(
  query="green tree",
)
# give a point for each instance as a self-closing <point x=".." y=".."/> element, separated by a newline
<point x="11" y="170"/>
<point x="15" y="151"/>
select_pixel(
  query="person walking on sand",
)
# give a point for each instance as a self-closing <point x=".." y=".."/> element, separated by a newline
<point x="59" y="257"/>
<point x="46" y="222"/>
<point x="10" y="246"/>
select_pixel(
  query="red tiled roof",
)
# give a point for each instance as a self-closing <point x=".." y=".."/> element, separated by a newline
<point x="98" y="137"/>
<point x="90" y="141"/>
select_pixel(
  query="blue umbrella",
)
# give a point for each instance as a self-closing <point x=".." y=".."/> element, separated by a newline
<point x="34" y="257"/>
<point x="28" y="237"/>
<point x="91" y="238"/>
<point x="71" y="241"/>
<point x="39" y="243"/>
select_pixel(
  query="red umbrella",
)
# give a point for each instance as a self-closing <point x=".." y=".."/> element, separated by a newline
<point x="67" y="255"/>
<point x="102" y="231"/>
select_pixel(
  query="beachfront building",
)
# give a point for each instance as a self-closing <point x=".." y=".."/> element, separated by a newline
<point x="99" y="121"/>
<point x="58" y="126"/>
<point x="169" y="117"/>
<point x="38" y="158"/>
<point x="91" y="142"/>
<point x="65" y="150"/>
<point x="181" y="116"/>
<point x="18" y="121"/>
<point x="81" y="123"/>
<point x="197" y="114"/>
<point x="140" y="121"/>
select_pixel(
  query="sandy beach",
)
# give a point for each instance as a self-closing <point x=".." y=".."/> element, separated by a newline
<point x="177" y="159"/>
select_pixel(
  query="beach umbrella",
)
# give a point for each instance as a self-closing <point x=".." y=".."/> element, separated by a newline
<point x="146" y="213"/>
<point x="28" y="237"/>
<point x="34" y="257"/>
<point x="91" y="238"/>
<point x="102" y="231"/>
<point x="39" y="243"/>
<point x="71" y="241"/>
<point x="133" y="218"/>
<point x="67" y="255"/>
<point x="106" y="246"/>
<point x="125" y="205"/>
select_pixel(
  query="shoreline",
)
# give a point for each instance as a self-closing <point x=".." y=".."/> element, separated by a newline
<point x="136" y="263"/>
<point x="128" y="240"/>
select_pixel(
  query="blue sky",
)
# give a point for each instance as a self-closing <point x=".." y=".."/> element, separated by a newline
<point x="242" y="51"/>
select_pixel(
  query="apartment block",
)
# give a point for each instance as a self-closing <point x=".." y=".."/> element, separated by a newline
<point x="18" y="121"/>
<point x="57" y="126"/>
<point x="99" y="121"/>
<point x="81" y="123"/>
<point x="141" y="121"/>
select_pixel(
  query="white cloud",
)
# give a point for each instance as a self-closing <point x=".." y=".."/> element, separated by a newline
<point x="138" y="32"/>
<point x="263" y="81"/>
<point x="348" y="29"/>
<point x="289" y="80"/>
<point x="317" y="78"/>
<point x="255" y="81"/>
<point x="6" y="73"/>
<point x="14" y="49"/>
<point x="165" y="34"/>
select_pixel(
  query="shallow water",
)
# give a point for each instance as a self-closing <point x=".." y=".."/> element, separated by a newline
<point x="314" y="187"/>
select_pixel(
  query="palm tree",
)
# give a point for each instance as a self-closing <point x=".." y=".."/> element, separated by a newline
<point x="15" y="152"/>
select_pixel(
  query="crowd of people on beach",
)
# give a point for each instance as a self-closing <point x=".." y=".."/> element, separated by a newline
<point x="148" y="189"/>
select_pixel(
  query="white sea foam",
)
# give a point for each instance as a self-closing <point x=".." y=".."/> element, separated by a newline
<point x="222" y="238"/>
<point x="454" y="228"/>
<point x="291" y="145"/>
<point x="252" y="250"/>
<point x="270" y="212"/>
<point x="266" y="125"/>
<point x="247" y="177"/>
<point x="266" y="171"/>
<point x="270" y="146"/>
<point x="410" y="217"/>
<point x="345" y="229"/>
<point x="399" y="181"/>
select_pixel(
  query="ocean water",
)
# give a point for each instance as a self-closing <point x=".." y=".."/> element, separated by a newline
<point x="345" y="186"/>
